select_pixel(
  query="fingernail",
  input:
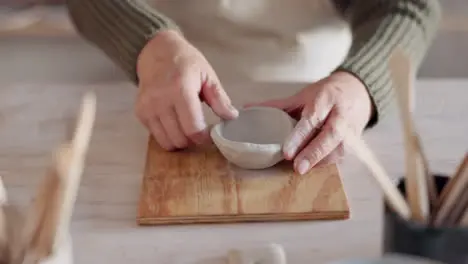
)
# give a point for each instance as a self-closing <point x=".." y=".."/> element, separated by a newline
<point x="289" y="150"/>
<point x="233" y="110"/>
<point x="303" y="167"/>
<point x="289" y="153"/>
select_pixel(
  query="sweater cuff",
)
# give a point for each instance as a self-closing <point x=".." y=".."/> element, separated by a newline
<point x="370" y="63"/>
<point x="401" y="24"/>
<point x="378" y="84"/>
<point x="120" y="28"/>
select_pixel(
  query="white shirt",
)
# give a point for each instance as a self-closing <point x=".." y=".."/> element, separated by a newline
<point x="264" y="40"/>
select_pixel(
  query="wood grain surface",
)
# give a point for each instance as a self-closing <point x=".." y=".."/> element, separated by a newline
<point x="199" y="186"/>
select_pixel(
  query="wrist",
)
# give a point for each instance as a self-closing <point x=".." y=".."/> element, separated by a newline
<point x="167" y="41"/>
<point x="354" y="82"/>
<point x="169" y="36"/>
<point x="165" y="45"/>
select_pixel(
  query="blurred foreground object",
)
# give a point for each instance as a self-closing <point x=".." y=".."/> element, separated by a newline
<point x="42" y="235"/>
<point x="35" y="18"/>
<point x="389" y="259"/>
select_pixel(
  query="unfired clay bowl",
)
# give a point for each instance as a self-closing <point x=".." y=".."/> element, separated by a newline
<point x="254" y="140"/>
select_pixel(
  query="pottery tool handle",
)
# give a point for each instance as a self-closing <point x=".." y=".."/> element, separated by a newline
<point x="464" y="220"/>
<point x="457" y="213"/>
<point x="49" y="222"/>
<point x="431" y="185"/>
<point x="452" y="193"/>
<point x="449" y="186"/>
<point x="394" y="198"/>
<point x="38" y="232"/>
<point x="71" y="163"/>
<point x="417" y="180"/>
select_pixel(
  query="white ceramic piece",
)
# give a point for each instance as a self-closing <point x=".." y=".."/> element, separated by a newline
<point x="254" y="140"/>
<point x="271" y="254"/>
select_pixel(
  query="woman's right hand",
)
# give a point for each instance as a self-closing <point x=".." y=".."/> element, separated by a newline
<point x="174" y="79"/>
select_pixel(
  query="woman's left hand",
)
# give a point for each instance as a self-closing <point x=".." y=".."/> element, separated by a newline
<point x="325" y="110"/>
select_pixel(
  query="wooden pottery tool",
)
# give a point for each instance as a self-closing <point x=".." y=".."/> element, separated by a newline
<point x="72" y="165"/>
<point x="457" y="212"/>
<point x="394" y="198"/>
<point x="47" y="227"/>
<point x="420" y="186"/>
<point x="431" y="185"/>
<point x="42" y="220"/>
<point x="464" y="220"/>
<point x="199" y="185"/>
<point x="451" y="196"/>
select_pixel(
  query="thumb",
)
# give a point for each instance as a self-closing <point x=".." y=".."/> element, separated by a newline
<point x="216" y="97"/>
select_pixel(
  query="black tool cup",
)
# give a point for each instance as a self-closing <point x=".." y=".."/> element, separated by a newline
<point x="444" y="244"/>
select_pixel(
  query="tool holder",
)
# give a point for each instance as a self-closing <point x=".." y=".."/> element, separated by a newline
<point x="446" y="244"/>
<point x="425" y="214"/>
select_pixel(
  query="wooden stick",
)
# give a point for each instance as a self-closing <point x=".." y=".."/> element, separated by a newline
<point x="452" y="182"/>
<point x="416" y="180"/>
<point x="43" y="240"/>
<point x="52" y="212"/>
<point x="464" y="221"/>
<point x="393" y="196"/>
<point x="431" y="185"/>
<point x="72" y="165"/>
<point x="456" y="213"/>
<point x="451" y="193"/>
<point x="37" y="236"/>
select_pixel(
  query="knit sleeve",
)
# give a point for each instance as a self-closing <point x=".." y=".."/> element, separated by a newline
<point x="120" y="28"/>
<point x="379" y="26"/>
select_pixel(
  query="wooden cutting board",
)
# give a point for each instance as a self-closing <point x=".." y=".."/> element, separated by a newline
<point x="200" y="186"/>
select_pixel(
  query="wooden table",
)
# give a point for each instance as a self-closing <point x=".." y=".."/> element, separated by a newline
<point x="33" y="120"/>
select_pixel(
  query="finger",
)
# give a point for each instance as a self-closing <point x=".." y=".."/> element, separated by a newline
<point x="285" y="104"/>
<point x="189" y="112"/>
<point x="218" y="100"/>
<point x="329" y="137"/>
<point x="140" y="111"/>
<point x="173" y="129"/>
<point x="306" y="129"/>
<point x="160" y="135"/>
<point x="336" y="156"/>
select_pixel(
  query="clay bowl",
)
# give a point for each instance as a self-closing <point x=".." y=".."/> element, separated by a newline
<point x="254" y="140"/>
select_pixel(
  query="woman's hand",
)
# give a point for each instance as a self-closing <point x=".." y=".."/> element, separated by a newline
<point x="174" y="78"/>
<point x="325" y="110"/>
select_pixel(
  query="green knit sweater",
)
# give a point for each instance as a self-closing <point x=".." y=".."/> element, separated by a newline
<point x="121" y="28"/>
